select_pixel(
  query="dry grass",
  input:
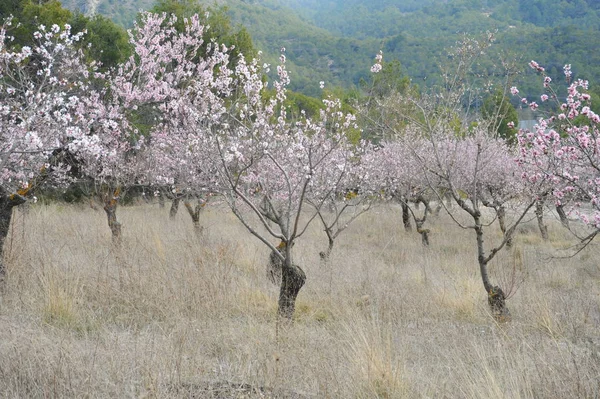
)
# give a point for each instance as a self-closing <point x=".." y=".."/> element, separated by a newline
<point x="173" y="315"/>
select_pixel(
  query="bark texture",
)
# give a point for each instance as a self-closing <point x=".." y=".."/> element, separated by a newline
<point x="174" y="208"/>
<point x="275" y="265"/>
<point x="497" y="302"/>
<point x="293" y="278"/>
<point x="501" y="212"/>
<point x="539" y="214"/>
<point x="496" y="297"/>
<point x="562" y="215"/>
<point x="406" y="216"/>
<point x="325" y="255"/>
<point x="7" y="203"/>
<point x="194" y="213"/>
<point x="110" y="207"/>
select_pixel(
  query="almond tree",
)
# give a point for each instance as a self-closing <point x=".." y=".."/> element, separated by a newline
<point x="469" y="168"/>
<point x="150" y="115"/>
<point x="200" y="85"/>
<point x="41" y="113"/>
<point x="271" y="167"/>
<point x="562" y="150"/>
<point x="349" y="195"/>
<point x="338" y="210"/>
<point x="458" y="156"/>
<point x="395" y="171"/>
<point x="264" y="165"/>
<point x="178" y="160"/>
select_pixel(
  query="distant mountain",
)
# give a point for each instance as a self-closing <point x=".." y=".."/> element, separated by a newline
<point x="122" y="12"/>
<point x="336" y="40"/>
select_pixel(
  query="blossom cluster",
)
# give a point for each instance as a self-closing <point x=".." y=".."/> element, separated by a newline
<point x="562" y="149"/>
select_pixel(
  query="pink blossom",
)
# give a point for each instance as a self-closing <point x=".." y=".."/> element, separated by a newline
<point x="376" y="68"/>
<point x="564" y="157"/>
<point x="536" y="66"/>
<point x="567" y="71"/>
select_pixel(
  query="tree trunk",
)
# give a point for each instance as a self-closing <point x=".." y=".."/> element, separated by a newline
<point x="496" y="297"/>
<point x="406" y="216"/>
<point x="161" y="200"/>
<point x="419" y="222"/>
<point x="424" y="235"/>
<point x="275" y="265"/>
<point x="292" y="280"/>
<point x="438" y="208"/>
<point x="7" y="203"/>
<point x="501" y="212"/>
<point x="539" y="213"/>
<point x="110" y="207"/>
<point x="449" y="201"/>
<point x="174" y="208"/>
<point x="195" y="215"/>
<point x="562" y="215"/>
<point x="497" y="303"/>
<point x="327" y="253"/>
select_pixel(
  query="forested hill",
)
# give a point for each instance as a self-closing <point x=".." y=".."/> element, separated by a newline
<point x="335" y="40"/>
<point x="385" y="18"/>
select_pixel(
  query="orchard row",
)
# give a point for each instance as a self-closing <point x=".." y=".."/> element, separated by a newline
<point x="187" y="115"/>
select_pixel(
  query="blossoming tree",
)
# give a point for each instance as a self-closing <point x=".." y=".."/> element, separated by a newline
<point x="179" y="83"/>
<point x="464" y="160"/>
<point x="397" y="173"/>
<point x="562" y="150"/>
<point x="148" y="115"/>
<point x="41" y="112"/>
<point x="270" y="168"/>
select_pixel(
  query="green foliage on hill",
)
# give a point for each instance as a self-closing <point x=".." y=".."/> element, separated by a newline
<point x="553" y="32"/>
<point x="216" y="18"/>
<point x="335" y="41"/>
<point x="499" y="112"/>
<point x="123" y="12"/>
<point x="314" y="54"/>
<point x="108" y="41"/>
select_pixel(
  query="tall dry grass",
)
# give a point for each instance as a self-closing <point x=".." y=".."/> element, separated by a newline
<point x="171" y="314"/>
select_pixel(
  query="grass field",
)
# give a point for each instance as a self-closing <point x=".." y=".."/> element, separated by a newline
<point x="171" y="314"/>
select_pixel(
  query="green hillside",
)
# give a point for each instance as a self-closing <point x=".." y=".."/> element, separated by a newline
<point x="335" y="40"/>
<point x="122" y="12"/>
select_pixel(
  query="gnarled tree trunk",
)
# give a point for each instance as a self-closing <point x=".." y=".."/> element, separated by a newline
<point x="7" y="203"/>
<point x="405" y="215"/>
<point x="420" y="222"/>
<point x="327" y="253"/>
<point x="194" y="213"/>
<point x="110" y="207"/>
<point x="562" y="215"/>
<point x="496" y="297"/>
<point x="292" y="280"/>
<point x="174" y="207"/>
<point x="424" y="234"/>
<point x="290" y="276"/>
<point x="539" y="214"/>
<point x="501" y="213"/>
